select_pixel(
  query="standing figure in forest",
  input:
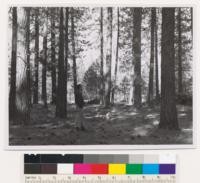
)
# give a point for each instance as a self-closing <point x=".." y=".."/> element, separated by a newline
<point x="79" y="105"/>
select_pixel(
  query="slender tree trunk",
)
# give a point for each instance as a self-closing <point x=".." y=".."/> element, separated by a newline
<point x="137" y="19"/>
<point x="36" y="66"/>
<point x="12" y="95"/>
<point x="156" y="60"/>
<point x="108" y="60"/>
<point x="151" y="67"/>
<point x="102" y="86"/>
<point x="28" y="68"/>
<point x="168" y="112"/>
<point x="44" y="66"/>
<point x="74" y="55"/>
<point x="180" y="78"/>
<point x="53" y="57"/>
<point x="116" y="58"/>
<point x="61" y="95"/>
<point x="66" y="50"/>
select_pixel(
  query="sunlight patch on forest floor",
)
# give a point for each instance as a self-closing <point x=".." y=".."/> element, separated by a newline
<point x="121" y="124"/>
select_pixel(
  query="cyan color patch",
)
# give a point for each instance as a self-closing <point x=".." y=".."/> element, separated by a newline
<point x="150" y="169"/>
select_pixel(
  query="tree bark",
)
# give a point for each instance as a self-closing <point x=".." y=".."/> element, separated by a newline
<point x="66" y="50"/>
<point x="116" y="58"/>
<point x="44" y="65"/>
<point x="61" y="95"/>
<point x="108" y="60"/>
<point x="36" y="66"/>
<point x="102" y="86"/>
<point x="53" y="57"/>
<point x="151" y="67"/>
<point x="156" y="60"/>
<point x="12" y="94"/>
<point x="28" y="68"/>
<point x="168" y="112"/>
<point x="74" y="55"/>
<point x="137" y="19"/>
<point x="180" y="78"/>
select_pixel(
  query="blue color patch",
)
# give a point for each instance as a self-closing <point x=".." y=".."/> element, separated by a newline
<point x="150" y="169"/>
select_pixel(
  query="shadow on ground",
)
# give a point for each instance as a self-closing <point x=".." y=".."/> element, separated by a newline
<point x="121" y="124"/>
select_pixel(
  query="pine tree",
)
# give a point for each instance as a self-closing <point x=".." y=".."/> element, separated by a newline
<point x="137" y="19"/>
<point x="36" y="66"/>
<point x="151" y="67"/>
<point x="61" y="93"/>
<point x="108" y="59"/>
<point x="12" y="94"/>
<point x="168" y="111"/>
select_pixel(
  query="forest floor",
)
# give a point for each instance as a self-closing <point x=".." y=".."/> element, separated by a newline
<point x="121" y="124"/>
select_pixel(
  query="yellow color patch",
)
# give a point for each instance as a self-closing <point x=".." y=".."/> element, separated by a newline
<point x="117" y="169"/>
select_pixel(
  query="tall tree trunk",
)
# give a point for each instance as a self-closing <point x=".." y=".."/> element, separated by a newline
<point x="116" y="59"/>
<point x="74" y="55"/>
<point x="12" y="95"/>
<point x="102" y="86"/>
<point x="61" y="95"/>
<point x="168" y="112"/>
<point x="28" y="68"/>
<point x="108" y="59"/>
<point x="180" y="78"/>
<point x="137" y="19"/>
<point x="44" y="65"/>
<point x="151" y="67"/>
<point x="156" y="60"/>
<point x="36" y="66"/>
<point x="53" y="57"/>
<point x="66" y="50"/>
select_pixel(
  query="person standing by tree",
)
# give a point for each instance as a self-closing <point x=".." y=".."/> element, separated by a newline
<point x="79" y="104"/>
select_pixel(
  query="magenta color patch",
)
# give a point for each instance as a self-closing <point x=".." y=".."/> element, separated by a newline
<point x="82" y="168"/>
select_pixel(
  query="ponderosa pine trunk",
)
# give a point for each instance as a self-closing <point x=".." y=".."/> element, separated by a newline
<point x="137" y="19"/>
<point x="156" y="60"/>
<point x="61" y="95"/>
<point x="116" y="59"/>
<point x="168" y="111"/>
<point x="36" y="61"/>
<point x="180" y="78"/>
<point x="44" y="65"/>
<point x="53" y="57"/>
<point x="108" y="60"/>
<point x="12" y="94"/>
<point x="66" y="51"/>
<point x="27" y="110"/>
<point x="74" y="55"/>
<point x="151" y="66"/>
<point x="102" y="86"/>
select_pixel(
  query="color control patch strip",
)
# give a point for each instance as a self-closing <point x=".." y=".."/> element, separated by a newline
<point x="99" y="164"/>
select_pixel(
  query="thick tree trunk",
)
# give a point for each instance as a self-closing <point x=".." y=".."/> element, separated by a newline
<point x="151" y="67"/>
<point x="116" y="59"/>
<point x="44" y="66"/>
<point x="12" y="94"/>
<point x="53" y="57"/>
<point x="66" y="50"/>
<point x="108" y="60"/>
<point x="168" y="112"/>
<point x="102" y="86"/>
<point x="74" y="55"/>
<point x="156" y="61"/>
<point x="61" y="95"/>
<point x="137" y="19"/>
<point x="36" y="66"/>
<point x="180" y="78"/>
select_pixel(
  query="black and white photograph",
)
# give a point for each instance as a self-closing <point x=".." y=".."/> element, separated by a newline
<point x="100" y="75"/>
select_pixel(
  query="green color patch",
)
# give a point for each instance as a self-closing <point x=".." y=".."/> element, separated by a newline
<point x="133" y="168"/>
